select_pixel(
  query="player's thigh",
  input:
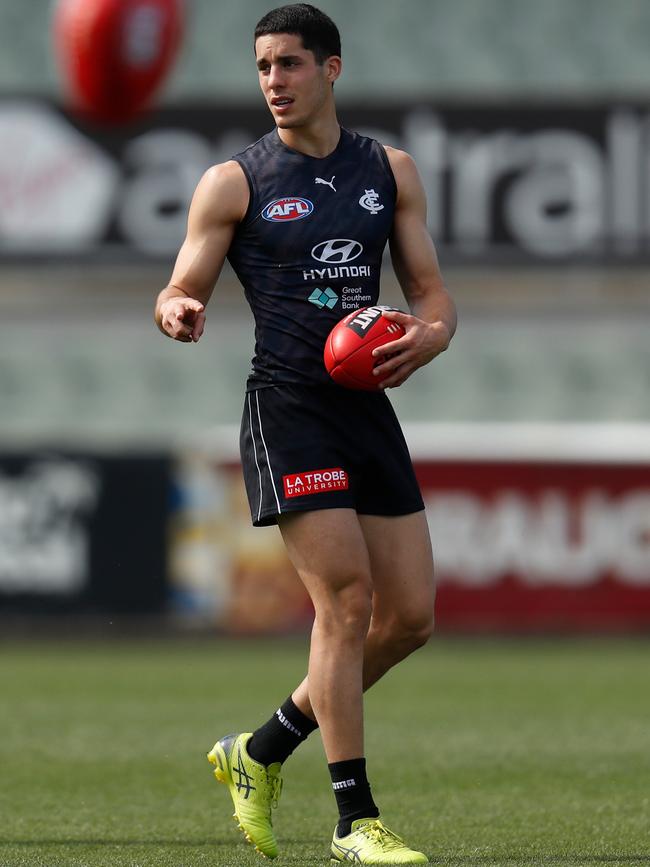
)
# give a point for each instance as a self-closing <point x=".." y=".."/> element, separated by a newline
<point x="329" y="551"/>
<point x="401" y="565"/>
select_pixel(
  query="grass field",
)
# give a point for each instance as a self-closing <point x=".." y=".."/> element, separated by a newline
<point x="480" y="753"/>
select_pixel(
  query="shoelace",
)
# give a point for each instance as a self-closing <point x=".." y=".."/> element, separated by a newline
<point x="276" y="791"/>
<point x="383" y="835"/>
<point x="275" y="785"/>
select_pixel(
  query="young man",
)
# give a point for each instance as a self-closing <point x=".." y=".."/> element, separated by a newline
<point x="291" y="212"/>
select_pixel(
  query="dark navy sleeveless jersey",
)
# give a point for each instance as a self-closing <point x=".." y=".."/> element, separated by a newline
<point x="309" y="249"/>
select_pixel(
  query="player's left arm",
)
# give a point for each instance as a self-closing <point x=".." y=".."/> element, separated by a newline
<point x="432" y="321"/>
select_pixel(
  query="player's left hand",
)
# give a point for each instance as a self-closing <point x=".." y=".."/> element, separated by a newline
<point x="397" y="360"/>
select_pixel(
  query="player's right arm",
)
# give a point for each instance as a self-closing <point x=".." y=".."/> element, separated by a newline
<point x="218" y="206"/>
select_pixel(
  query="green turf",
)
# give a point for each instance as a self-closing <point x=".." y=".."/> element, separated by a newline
<point x="481" y="753"/>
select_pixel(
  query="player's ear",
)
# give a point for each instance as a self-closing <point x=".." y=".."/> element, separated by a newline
<point x="333" y="66"/>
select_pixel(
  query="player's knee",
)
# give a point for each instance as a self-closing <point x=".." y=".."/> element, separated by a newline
<point x="346" y="608"/>
<point x="352" y="610"/>
<point x="409" y="630"/>
<point x="420" y="630"/>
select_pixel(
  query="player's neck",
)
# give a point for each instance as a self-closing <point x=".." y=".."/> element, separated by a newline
<point x="317" y="139"/>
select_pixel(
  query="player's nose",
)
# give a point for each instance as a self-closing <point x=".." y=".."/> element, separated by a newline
<point x="276" y="76"/>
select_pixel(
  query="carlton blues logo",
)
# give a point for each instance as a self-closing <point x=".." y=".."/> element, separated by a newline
<point x="288" y="208"/>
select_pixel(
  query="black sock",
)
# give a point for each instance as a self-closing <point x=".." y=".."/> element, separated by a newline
<point x="352" y="793"/>
<point x="277" y="739"/>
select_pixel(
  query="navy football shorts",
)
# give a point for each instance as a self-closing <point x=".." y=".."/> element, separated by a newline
<point x="324" y="447"/>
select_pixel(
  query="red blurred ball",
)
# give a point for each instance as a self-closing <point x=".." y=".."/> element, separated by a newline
<point x="348" y="348"/>
<point x="115" y="54"/>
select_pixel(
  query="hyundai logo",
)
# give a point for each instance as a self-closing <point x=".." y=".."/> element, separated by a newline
<point x="337" y="250"/>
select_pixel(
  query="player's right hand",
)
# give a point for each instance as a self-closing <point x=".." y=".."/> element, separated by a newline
<point x="182" y="319"/>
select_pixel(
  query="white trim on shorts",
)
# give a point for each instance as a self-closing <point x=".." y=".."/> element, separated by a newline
<point x="268" y="460"/>
<point x="259" y="473"/>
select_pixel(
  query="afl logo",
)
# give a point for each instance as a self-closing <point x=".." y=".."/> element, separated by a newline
<point x="337" y="250"/>
<point x="288" y="208"/>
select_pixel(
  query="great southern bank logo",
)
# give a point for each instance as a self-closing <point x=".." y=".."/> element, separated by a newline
<point x="324" y="298"/>
<point x="288" y="208"/>
<point x="337" y="250"/>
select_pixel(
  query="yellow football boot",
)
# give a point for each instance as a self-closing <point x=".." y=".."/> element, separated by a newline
<point x="254" y="789"/>
<point x="370" y="842"/>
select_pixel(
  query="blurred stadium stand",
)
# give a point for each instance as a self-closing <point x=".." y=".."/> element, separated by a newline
<point x="444" y="48"/>
<point x="80" y="359"/>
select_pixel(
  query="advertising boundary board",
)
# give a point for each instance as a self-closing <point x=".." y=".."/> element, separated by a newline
<point x="535" y="529"/>
<point x="83" y="532"/>
<point x="539" y="182"/>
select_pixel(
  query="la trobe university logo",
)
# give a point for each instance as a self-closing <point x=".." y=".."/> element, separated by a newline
<point x="337" y="251"/>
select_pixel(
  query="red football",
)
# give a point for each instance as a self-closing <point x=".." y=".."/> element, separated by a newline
<point x="114" y="54"/>
<point x="349" y="346"/>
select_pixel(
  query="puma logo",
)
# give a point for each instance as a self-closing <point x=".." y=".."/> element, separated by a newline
<point x="327" y="183"/>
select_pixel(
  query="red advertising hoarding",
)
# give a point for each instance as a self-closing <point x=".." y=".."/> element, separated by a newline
<point x="539" y="545"/>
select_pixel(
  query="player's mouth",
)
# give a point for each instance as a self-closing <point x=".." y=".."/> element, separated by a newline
<point x="281" y="104"/>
